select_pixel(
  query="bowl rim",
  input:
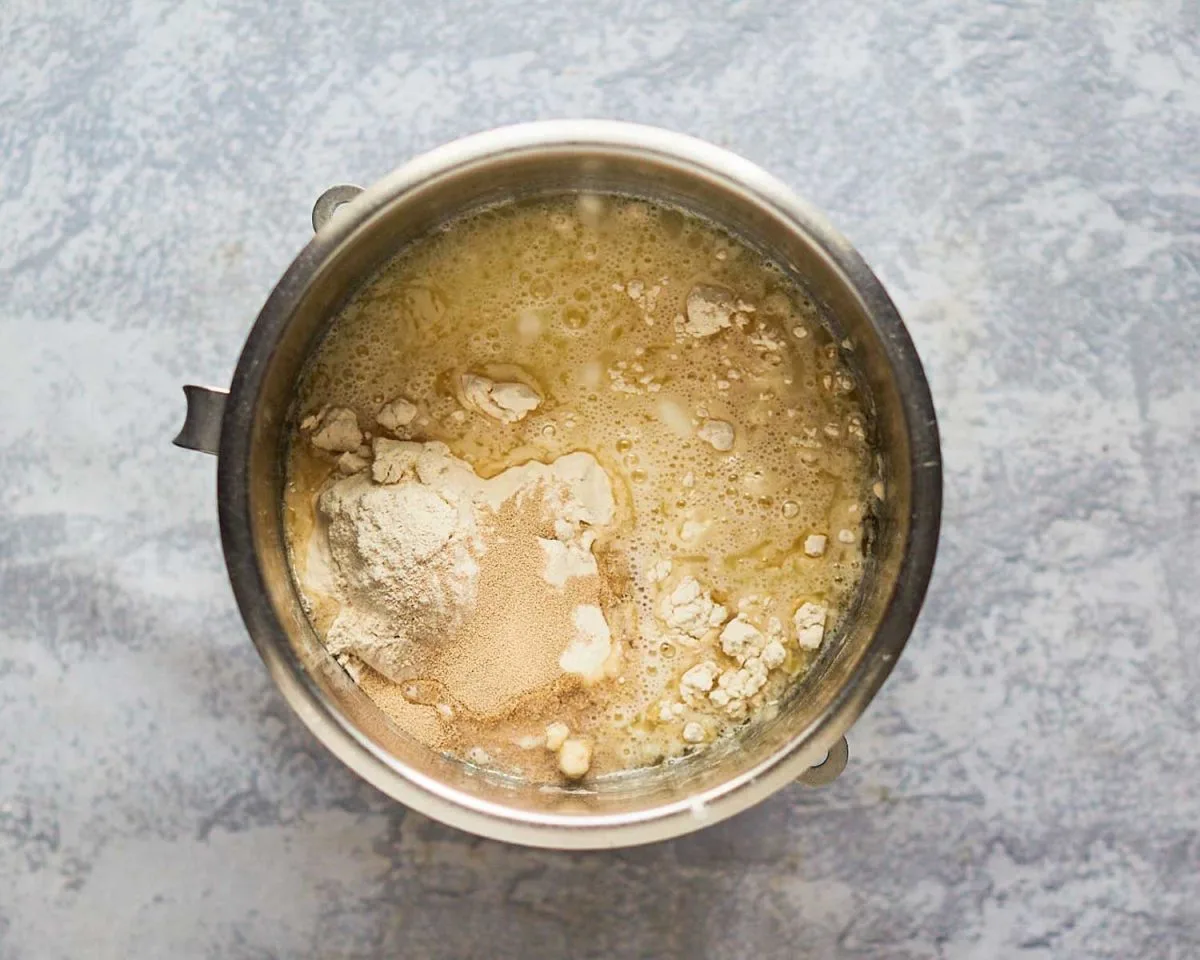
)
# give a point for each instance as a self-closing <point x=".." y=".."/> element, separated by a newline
<point x="328" y="721"/>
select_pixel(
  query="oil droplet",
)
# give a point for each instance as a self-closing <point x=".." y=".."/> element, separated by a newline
<point x="791" y="509"/>
<point x="624" y="445"/>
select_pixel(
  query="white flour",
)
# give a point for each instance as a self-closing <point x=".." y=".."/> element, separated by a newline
<point x="405" y="541"/>
<point x="406" y="559"/>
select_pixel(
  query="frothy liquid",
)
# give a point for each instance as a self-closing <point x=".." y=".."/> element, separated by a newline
<point x="586" y="301"/>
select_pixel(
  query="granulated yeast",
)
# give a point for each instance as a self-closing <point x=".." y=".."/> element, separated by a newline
<point x="506" y="655"/>
<point x="502" y="670"/>
<point x="448" y="610"/>
<point x="618" y="501"/>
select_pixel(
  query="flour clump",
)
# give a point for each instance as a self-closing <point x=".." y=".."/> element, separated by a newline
<point x="407" y="538"/>
<point x="407" y="560"/>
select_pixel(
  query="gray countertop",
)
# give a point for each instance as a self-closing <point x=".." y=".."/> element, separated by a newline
<point x="1023" y="177"/>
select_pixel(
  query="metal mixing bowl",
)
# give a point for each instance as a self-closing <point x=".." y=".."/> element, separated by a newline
<point x="248" y="429"/>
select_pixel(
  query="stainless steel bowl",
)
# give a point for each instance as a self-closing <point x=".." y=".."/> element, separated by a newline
<point x="247" y="429"/>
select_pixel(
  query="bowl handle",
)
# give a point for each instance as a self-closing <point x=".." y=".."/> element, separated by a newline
<point x="328" y="202"/>
<point x="202" y="424"/>
<point x="829" y="769"/>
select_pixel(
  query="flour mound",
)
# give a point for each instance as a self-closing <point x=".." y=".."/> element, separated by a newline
<point x="406" y="537"/>
<point x="407" y="557"/>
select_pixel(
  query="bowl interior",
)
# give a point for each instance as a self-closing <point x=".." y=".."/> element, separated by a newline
<point x="856" y="657"/>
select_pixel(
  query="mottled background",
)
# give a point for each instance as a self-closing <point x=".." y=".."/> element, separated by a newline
<point x="1024" y="178"/>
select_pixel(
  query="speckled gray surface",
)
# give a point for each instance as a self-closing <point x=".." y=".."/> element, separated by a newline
<point x="1023" y="177"/>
